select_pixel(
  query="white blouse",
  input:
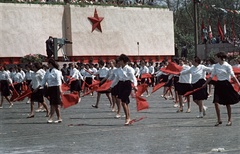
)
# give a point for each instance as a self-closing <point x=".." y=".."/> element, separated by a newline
<point x="37" y="78"/>
<point x="53" y="78"/>
<point x="5" y="76"/>
<point x="185" y="78"/>
<point x="124" y="74"/>
<point x="223" y="72"/>
<point x="198" y="72"/>
<point x="102" y="72"/>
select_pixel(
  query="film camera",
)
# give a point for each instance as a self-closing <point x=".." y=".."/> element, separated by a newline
<point x="58" y="43"/>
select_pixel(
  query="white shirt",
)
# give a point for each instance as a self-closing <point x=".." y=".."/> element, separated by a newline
<point x="23" y="73"/>
<point x="111" y="73"/>
<point x="75" y="73"/>
<point x="124" y="74"/>
<point x="37" y="78"/>
<point x="144" y="69"/>
<point x="137" y="71"/>
<point x="185" y="78"/>
<point x="151" y="69"/>
<point x="86" y="74"/>
<point x="53" y="78"/>
<point x="18" y="77"/>
<point x="28" y="75"/>
<point x="5" y="76"/>
<point x="102" y="72"/>
<point x="198" y="72"/>
<point x="223" y="72"/>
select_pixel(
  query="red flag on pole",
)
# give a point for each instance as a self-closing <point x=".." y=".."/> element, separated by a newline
<point x="220" y="30"/>
<point x="14" y="95"/>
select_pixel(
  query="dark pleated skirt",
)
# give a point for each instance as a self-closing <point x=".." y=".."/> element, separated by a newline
<point x="88" y="81"/>
<point x="225" y="94"/>
<point x="201" y="94"/>
<point x="182" y="88"/>
<point x="5" y="91"/>
<point x="37" y="96"/>
<point x="54" y="95"/>
<point x="164" y="78"/>
<point x="75" y="85"/>
<point x="114" y="90"/>
<point x="124" y="91"/>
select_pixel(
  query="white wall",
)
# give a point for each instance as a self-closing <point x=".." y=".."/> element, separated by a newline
<point x="25" y="28"/>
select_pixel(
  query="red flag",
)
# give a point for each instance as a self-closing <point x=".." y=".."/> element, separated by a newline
<point x="65" y="87"/>
<point x="220" y="30"/>
<point x="172" y="68"/>
<point x="14" y="95"/>
<point x="236" y="70"/>
<point x="70" y="99"/>
<point x="210" y="30"/>
<point x="158" y="86"/>
<point x="26" y="93"/>
<point x="24" y="86"/>
<point x="141" y="89"/>
<point x="146" y="75"/>
<point x="105" y="86"/>
<point x="193" y="91"/>
<point x="141" y="103"/>
<point x="94" y="86"/>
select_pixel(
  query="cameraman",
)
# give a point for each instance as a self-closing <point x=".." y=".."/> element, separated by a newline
<point x="49" y="47"/>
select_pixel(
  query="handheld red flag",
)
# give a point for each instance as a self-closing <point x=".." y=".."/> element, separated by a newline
<point x="142" y="103"/>
<point x="105" y="86"/>
<point x="26" y="93"/>
<point x="69" y="99"/>
<point x="158" y="86"/>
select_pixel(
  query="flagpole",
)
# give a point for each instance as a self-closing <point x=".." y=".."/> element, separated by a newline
<point x="195" y="25"/>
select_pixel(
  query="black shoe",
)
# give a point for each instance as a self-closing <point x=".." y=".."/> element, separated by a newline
<point x="94" y="106"/>
<point x="218" y="123"/>
<point x="30" y="116"/>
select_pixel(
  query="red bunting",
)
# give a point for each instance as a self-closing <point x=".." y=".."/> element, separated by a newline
<point x="69" y="99"/>
<point x="158" y="86"/>
<point x="105" y="86"/>
<point x="26" y="93"/>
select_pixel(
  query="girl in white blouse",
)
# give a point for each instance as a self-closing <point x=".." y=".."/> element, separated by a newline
<point x="124" y="77"/>
<point x="4" y="86"/>
<point x="198" y="72"/>
<point x="53" y="78"/>
<point x="224" y="92"/>
<point x="37" y="95"/>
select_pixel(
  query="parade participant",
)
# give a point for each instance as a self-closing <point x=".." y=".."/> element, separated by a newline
<point x="198" y="72"/>
<point x="28" y="77"/>
<point x="37" y="94"/>
<point x="228" y="96"/>
<point x="151" y="71"/>
<point x="143" y="70"/>
<point x="75" y="85"/>
<point x="125" y="77"/>
<point x="53" y="78"/>
<point x="102" y="73"/>
<point x="183" y="86"/>
<point x="88" y="77"/>
<point x="18" y="78"/>
<point x="5" y="80"/>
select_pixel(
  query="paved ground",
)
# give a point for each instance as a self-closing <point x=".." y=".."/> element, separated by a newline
<point x="86" y="130"/>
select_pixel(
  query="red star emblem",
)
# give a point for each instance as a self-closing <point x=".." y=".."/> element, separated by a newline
<point x="96" y="21"/>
